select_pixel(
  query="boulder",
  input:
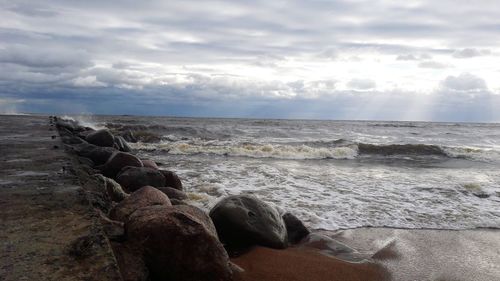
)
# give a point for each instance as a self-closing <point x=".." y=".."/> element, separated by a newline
<point x="84" y="134"/>
<point x="143" y="197"/>
<point x="99" y="155"/>
<point x="201" y="215"/>
<point x="102" y="138"/>
<point x="70" y="125"/>
<point x="149" y="163"/>
<point x="118" y="161"/>
<point x="177" y="245"/>
<point x="173" y="193"/>
<point x="121" y="144"/>
<point x="244" y="220"/>
<point x="114" y="190"/>
<point x="172" y="180"/>
<point x="133" y="178"/>
<point x="295" y="228"/>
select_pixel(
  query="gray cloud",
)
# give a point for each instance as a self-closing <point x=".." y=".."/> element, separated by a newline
<point x="265" y="53"/>
<point x="464" y="82"/>
<point x="432" y="64"/>
<point x="470" y="53"/>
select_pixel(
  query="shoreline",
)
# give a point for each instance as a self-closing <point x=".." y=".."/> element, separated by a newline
<point x="364" y="253"/>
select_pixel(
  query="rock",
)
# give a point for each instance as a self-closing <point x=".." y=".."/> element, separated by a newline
<point x="129" y="136"/>
<point x="118" y="161"/>
<point x="95" y="153"/>
<point x="295" y="228"/>
<point x="149" y="163"/>
<point x="244" y="220"/>
<point x="172" y="180"/>
<point x="200" y="215"/>
<point x="84" y="134"/>
<point x="133" y="178"/>
<point x="70" y="125"/>
<point x="143" y="197"/>
<point x="121" y="144"/>
<point x="102" y="138"/>
<point x="114" y="230"/>
<point x="113" y="189"/>
<point x="130" y="262"/>
<point x="177" y="202"/>
<point x="173" y="193"/>
<point x="178" y="246"/>
<point x="71" y="139"/>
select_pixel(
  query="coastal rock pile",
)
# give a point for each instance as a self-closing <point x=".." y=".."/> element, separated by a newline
<point x="155" y="233"/>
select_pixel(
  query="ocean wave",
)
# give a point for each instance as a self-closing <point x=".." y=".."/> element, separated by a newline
<point x="324" y="149"/>
<point x="278" y="151"/>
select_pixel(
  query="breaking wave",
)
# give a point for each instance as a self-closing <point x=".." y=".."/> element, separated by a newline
<point x="336" y="149"/>
<point x="279" y="151"/>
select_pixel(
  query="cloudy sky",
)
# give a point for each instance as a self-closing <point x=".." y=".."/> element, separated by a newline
<point x="385" y="60"/>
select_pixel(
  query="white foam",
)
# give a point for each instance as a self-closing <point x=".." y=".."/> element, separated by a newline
<point x="329" y="195"/>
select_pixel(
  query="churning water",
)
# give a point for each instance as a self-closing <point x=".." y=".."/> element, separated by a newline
<point x="335" y="174"/>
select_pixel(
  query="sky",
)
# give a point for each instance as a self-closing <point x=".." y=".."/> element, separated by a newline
<point x="355" y="60"/>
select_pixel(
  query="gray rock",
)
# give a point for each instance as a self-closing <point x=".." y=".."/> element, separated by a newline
<point x="102" y="138"/>
<point x="118" y="161"/>
<point x="133" y="178"/>
<point x="172" y="180"/>
<point x="295" y="228"/>
<point x="99" y="155"/>
<point x="244" y="220"/>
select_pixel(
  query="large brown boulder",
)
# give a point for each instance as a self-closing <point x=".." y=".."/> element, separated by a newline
<point x="103" y="138"/>
<point x="118" y="161"/>
<point x="172" y="180"/>
<point x="173" y="193"/>
<point x="201" y="215"/>
<point x="143" y="197"/>
<point x="245" y="220"/>
<point x="133" y="178"/>
<point x="177" y="245"/>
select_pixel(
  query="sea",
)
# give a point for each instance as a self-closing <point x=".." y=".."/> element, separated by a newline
<point x="333" y="174"/>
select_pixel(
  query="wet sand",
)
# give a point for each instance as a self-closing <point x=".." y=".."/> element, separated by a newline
<point x="391" y="254"/>
<point x="296" y="264"/>
<point x="43" y="213"/>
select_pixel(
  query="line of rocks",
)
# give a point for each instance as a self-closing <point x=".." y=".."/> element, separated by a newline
<point x="155" y="234"/>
